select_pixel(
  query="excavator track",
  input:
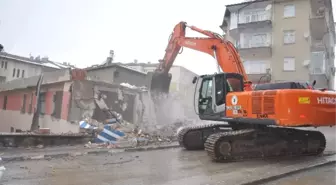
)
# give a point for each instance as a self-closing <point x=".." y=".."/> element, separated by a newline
<point x="194" y="137"/>
<point x="263" y="143"/>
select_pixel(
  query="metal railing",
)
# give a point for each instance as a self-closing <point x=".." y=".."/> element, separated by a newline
<point x="258" y="17"/>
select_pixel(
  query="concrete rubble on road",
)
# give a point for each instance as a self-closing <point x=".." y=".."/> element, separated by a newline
<point x="118" y="133"/>
<point x="115" y="132"/>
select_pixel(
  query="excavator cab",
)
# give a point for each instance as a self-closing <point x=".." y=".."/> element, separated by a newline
<point x="213" y="91"/>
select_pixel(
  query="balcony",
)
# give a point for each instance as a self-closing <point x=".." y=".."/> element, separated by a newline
<point x="318" y="64"/>
<point x="258" y="71"/>
<point x="254" y="19"/>
<point x="321" y="80"/>
<point x="319" y="18"/>
<point x="261" y="50"/>
<point x="317" y="45"/>
<point x="318" y="26"/>
<point x="255" y="44"/>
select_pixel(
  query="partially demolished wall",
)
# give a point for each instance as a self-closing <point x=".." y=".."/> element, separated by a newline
<point x="91" y="100"/>
<point x="69" y="102"/>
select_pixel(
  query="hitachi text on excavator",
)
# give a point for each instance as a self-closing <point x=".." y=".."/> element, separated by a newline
<point x="252" y="123"/>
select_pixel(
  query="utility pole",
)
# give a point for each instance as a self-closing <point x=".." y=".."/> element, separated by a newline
<point x="35" y="122"/>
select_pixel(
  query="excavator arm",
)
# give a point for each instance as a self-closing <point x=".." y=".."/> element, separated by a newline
<point x="223" y="51"/>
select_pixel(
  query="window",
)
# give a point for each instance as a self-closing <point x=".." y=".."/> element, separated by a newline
<point x="235" y="84"/>
<point x="206" y="88"/>
<point x="289" y="11"/>
<point x="259" y="40"/>
<point x="6" y="65"/>
<point x="220" y="96"/>
<point x="14" y="72"/>
<point x="256" y="67"/>
<point x="289" y="37"/>
<point x="22" y="73"/>
<point x="23" y="108"/>
<point x="254" y="16"/>
<point x="55" y="97"/>
<point x="318" y="63"/>
<point x="116" y="74"/>
<point x="42" y="103"/>
<point x="289" y="64"/>
<point x="2" y="64"/>
<point x="30" y="108"/>
<point x="4" y="105"/>
<point x="255" y="40"/>
<point x="206" y="92"/>
<point x="18" y="73"/>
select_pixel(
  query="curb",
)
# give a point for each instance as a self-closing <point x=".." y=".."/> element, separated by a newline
<point x="282" y="175"/>
<point x="151" y="148"/>
<point x="74" y="154"/>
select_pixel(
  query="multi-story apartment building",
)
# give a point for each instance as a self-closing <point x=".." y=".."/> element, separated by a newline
<point x="13" y="66"/>
<point x="284" y="40"/>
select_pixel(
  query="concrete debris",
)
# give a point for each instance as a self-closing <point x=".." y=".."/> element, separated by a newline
<point x="151" y="123"/>
<point x="37" y="157"/>
<point x="129" y="85"/>
<point x="118" y="133"/>
<point x="85" y="125"/>
<point x="133" y="86"/>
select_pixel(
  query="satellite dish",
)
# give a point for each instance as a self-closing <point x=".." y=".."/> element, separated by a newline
<point x="268" y="7"/>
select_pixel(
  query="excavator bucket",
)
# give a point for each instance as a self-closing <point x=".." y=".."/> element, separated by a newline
<point x="158" y="83"/>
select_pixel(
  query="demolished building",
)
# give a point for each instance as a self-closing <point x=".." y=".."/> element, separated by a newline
<point x="66" y="100"/>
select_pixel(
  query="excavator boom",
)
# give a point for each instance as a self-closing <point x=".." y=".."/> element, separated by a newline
<point x="214" y="44"/>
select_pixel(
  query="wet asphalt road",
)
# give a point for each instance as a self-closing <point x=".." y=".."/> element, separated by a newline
<point x="323" y="175"/>
<point x="161" y="167"/>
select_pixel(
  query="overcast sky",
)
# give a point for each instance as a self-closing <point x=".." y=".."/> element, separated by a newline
<point x="83" y="31"/>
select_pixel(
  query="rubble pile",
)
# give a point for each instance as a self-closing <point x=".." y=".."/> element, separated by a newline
<point x="154" y="123"/>
<point x="118" y="133"/>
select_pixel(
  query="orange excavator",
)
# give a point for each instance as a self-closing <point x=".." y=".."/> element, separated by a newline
<point x="251" y="123"/>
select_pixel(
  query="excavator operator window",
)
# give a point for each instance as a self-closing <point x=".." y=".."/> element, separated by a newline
<point x="207" y="88"/>
<point x="220" y="94"/>
<point x="205" y="98"/>
<point x="234" y="84"/>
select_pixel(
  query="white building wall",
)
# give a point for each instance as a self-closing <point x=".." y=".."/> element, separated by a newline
<point x="20" y="67"/>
